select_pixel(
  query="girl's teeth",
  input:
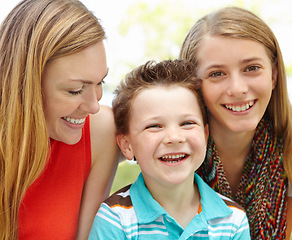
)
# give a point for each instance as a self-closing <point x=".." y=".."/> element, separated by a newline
<point x="240" y="108"/>
<point x="74" y="120"/>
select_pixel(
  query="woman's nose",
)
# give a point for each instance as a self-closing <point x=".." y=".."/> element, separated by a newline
<point x="90" y="102"/>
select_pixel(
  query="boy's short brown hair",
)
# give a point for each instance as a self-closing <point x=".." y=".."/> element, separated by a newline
<point x="167" y="73"/>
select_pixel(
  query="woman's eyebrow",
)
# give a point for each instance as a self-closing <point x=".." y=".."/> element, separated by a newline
<point x="85" y="81"/>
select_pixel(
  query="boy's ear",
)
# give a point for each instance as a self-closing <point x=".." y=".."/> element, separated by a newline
<point x="125" y="146"/>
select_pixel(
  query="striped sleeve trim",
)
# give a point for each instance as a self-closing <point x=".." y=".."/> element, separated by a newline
<point x="125" y="219"/>
<point x="234" y="224"/>
<point x="105" y="213"/>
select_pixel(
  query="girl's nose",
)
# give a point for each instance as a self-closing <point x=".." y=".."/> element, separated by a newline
<point x="237" y="86"/>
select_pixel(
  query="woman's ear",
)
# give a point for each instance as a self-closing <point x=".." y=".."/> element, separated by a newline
<point x="125" y="146"/>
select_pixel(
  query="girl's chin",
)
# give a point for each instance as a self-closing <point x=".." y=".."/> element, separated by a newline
<point x="243" y="128"/>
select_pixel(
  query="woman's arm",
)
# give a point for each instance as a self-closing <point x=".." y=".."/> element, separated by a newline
<point x="104" y="151"/>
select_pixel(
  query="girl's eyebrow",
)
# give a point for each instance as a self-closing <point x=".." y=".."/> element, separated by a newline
<point x="252" y="59"/>
<point x="215" y="66"/>
<point x="243" y="61"/>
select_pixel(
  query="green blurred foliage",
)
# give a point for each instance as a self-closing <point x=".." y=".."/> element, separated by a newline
<point x="162" y="26"/>
<point x="289" y="70"/>
<point x="127" y="173"/>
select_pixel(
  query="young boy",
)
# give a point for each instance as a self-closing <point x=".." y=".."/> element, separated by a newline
<point x="161" y="122"/>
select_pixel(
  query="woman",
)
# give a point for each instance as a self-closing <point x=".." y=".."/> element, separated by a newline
<point x="244" y="88"/>
<point x="57" y="162"/>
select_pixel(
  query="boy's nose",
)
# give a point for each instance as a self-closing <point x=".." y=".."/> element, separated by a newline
<point x="174" y="136"/>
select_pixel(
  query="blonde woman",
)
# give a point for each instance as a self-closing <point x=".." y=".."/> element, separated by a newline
<point x="244" y="87"/>
<point x="57" y="148"/>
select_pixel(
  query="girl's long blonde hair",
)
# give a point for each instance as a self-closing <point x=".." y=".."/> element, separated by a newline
<point x="35" y="32"/>
<point x="240" y="23"/>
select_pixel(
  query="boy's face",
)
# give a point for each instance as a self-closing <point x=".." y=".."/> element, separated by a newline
<point x="166" y="135"/>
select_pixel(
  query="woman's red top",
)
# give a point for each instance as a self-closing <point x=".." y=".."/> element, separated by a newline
<point x="50" y="207"/>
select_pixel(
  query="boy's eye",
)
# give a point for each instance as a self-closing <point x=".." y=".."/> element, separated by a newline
<point x="188" y="123"/>
<point x="153" y="126"/>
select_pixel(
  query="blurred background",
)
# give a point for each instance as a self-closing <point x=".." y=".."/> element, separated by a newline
<point x="141" y="30"/>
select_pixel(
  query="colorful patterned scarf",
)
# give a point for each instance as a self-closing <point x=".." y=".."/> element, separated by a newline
<point x="263" y="186"/>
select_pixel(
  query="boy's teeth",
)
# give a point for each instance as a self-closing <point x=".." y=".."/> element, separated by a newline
<point x="173" y="158"/>
<point x="240" y="108"/>
<point x="74" y="120"/>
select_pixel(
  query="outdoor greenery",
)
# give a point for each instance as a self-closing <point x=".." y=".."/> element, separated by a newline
<point x="126" y="174"/>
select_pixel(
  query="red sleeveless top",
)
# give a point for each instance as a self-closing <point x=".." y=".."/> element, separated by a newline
<point x="50" y="207"/>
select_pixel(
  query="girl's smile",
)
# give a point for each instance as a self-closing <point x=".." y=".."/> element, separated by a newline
<point x="237" y="84"/>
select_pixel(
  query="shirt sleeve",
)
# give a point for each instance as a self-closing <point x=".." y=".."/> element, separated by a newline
<point x="106" y="225"/>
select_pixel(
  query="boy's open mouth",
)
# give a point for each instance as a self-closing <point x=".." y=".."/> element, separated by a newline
<point x="173" y="158"/>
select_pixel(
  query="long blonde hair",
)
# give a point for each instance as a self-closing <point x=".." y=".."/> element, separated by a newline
<point x="239" y="23"/>
<point x="35" y="32"/>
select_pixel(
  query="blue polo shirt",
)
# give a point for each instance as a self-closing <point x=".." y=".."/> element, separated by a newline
<point x="132" y="213"/>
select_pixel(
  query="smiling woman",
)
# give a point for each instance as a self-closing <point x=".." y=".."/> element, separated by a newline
<point x="57" y="156"/>
<point x="71" y="91"/>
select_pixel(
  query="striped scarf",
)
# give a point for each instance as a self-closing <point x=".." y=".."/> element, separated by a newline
<point x="263" y="186"/>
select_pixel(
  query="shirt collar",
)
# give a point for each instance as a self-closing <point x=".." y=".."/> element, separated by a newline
<point x="148" y="209"/>
<point x="212" y="205"/>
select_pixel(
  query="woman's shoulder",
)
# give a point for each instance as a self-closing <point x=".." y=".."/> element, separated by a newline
<point x="102" y="123"/>
<point x="99" y="119"/>
<point x="102" y="132"/>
